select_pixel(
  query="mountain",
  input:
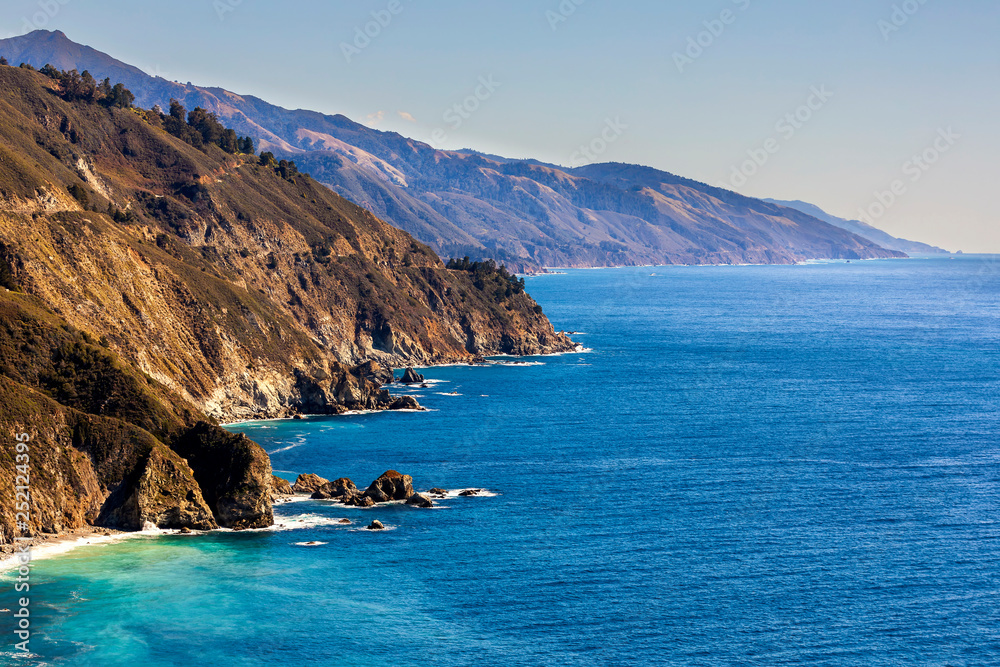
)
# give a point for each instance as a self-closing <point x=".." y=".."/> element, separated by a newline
<point x="524" y="213"/>
<point x="153" y="286"/>
<point x="862" y="229"/>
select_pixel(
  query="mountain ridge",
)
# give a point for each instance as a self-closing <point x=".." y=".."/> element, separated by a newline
<point x="521" y="212"/>
<point x="860" y="228"/>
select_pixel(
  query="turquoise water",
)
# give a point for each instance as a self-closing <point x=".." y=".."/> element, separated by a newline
<point x="752" y="465"/>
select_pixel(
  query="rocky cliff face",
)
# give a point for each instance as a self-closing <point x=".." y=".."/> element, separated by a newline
<point x="247" y="293"/>
<point x="149" y="288"/>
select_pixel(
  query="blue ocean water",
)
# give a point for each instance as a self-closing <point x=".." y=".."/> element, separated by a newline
<point x="751" y="466"/>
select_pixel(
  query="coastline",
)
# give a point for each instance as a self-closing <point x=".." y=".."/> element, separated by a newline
<point x="49" y="546"/>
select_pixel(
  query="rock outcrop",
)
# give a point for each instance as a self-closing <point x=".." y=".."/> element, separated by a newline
<point x="419" y="500"/>
<point x="376" y="525"/>
<point x="309" y="483"/>
<point x="280" y="487"/>
<point x="161" y="491"/>
<point x="411" y="377"/>
<point x="391" y="485"/>
<point x="338" y="488"/>
<point x="357" y="500"/>
<point x="234" y="474"/>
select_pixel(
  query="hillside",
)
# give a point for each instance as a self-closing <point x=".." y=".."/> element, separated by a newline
<point x="523" y="213"/>
<point x="862" y="229"/>
<point x="153" y="285"/>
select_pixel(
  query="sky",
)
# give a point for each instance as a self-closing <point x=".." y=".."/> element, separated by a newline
<point x="884" y="110"/>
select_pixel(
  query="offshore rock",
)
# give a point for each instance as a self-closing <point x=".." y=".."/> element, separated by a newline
<point x="280" y="487"/>
<point x="419" y="500"/>
<point x="391" y="485"/>
<point x="376" y="525"/>
<point x="411" y="377"/>
<point x="309" y="483"/>
<point x="338" y="488"/>
<point x="357" y="500"/>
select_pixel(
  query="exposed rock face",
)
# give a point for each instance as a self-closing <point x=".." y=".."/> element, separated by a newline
<point x="357" y="500"/>
<point x="391" y="485"/>
<point x="405" y="403"/>
<point x="470" y="492"/>
<point x="358" y="388"/>
<point x="280" y="487"/>
<point x="338" y="488"/>
<point x="411" y="377"/>
<point x="234" y="474"/>
<point x="162" y="492"/>
<point x="232" y="293"/>
<point x="376" y="525"/>
<point x="309" y="483"/>
<point x="419" y="500"/>
<point x="438" y="492"/>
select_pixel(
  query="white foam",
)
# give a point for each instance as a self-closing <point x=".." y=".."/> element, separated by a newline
<point x="298" y="522"/>
<point x="310" y="544"/>
<point x="516" y="364"/>
<point x="455" y="493"/>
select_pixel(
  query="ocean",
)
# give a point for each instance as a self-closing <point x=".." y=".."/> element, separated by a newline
<point x="781" y="465"/>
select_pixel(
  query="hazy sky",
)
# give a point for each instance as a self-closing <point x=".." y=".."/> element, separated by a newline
<point x="828" y="101"/>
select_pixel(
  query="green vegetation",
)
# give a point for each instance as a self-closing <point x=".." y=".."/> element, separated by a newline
<point x="201" y="128"/>
<point x="75" y="86"/>
<point x="490" y="278"/>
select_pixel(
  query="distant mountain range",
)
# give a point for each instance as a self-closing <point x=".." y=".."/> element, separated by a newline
<point x="862" y="229"/>
<point x="524" y="213"/>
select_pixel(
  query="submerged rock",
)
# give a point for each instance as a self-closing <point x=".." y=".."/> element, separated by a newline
<point x="391" y="485"/>
<point x="418" y="500"/>
<point x="309" y="483"/>
<point x="376" y="525"/>
<point x="410" y="376"/>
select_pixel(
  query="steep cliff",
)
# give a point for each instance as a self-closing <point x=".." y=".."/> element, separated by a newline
<point x="149" y="288"/>
<point x="248" y="292"/>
